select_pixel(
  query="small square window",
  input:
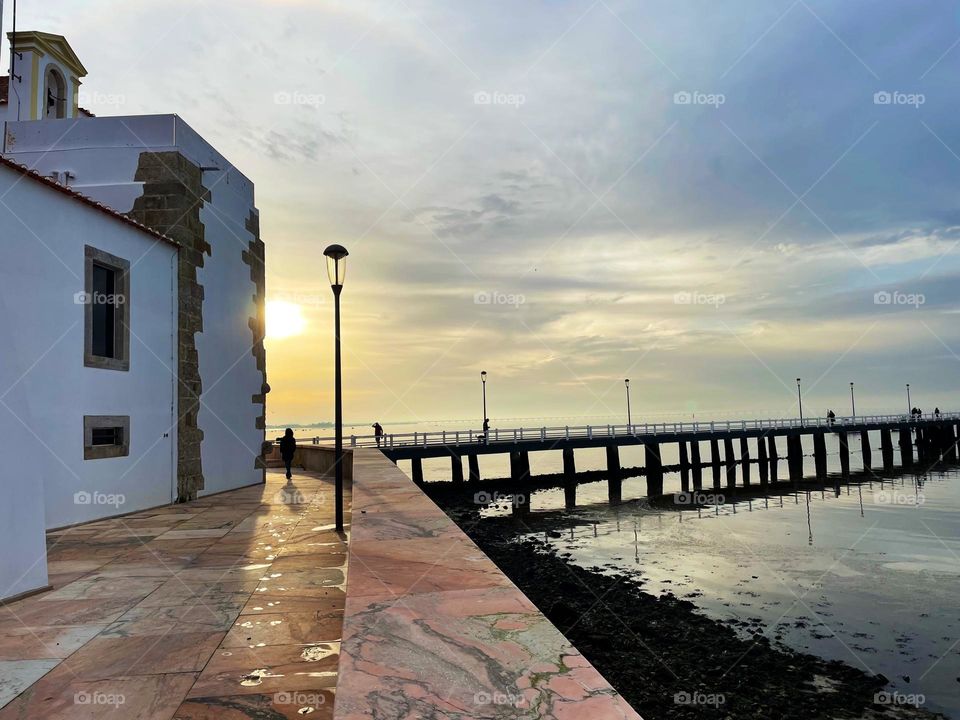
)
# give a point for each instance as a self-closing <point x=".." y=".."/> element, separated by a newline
<point x="106" y="436"/>
<point x="106" y="311"/>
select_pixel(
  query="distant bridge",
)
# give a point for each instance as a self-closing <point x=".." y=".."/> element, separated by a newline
<point x="933" y="435"/>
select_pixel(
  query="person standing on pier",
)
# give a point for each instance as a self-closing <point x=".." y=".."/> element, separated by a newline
<point x="378" y="432"/>
<point x="486" y="431"/>
<point x="288" y="446"/>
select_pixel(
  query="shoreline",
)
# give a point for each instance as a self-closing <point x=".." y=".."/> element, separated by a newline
<point x="666" y="658"/>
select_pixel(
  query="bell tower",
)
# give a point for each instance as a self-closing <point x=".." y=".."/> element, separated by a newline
<point x="45" y="76"/>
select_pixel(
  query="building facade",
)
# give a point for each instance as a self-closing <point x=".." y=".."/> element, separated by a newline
<point x="203" y="265"/>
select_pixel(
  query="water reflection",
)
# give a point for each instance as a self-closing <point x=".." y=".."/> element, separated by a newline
<point x="864" y="569"/>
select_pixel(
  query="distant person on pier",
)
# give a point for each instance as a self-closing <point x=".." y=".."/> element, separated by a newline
<point x="936" y="413"/>
<point x="831" y="416"/>
<point x="378" y="431"/>
<point x="288" y="446"/>
<point x="486" y="431"/>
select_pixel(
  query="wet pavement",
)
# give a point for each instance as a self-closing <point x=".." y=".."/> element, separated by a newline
<point x="227" y="607"/>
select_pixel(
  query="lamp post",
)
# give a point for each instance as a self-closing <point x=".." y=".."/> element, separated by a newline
<point x="800" y="401"/>
<point x="336" y="270"/>
<point x="483" y="383"/>
<point x="629" y="420"/>
<point x="853" y="402"/>
<point x="909" y="404"/>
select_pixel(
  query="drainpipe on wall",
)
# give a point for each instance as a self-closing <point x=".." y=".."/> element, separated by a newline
<point x="174" y="370"/>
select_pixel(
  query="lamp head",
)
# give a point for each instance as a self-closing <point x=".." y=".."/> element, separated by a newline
<point x="336" y="264"/>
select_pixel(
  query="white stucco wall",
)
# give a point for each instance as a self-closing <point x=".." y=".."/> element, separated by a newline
<point x="44" y="233"/>
<point x="103" y="154"/>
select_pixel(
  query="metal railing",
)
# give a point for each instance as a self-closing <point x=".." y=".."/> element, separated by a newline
<point x="597" y="432"/>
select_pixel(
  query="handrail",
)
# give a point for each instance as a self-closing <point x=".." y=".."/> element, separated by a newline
<point x="592" y="432"/>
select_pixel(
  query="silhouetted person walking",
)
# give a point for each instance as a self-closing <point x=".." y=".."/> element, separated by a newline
<point x="378" y="431"/>
<point x="486" y="431"/>
<point x="288" y="446"/>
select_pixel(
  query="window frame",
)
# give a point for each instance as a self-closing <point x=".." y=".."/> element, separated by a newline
<point x="121" y="311"/>
<point x="101" y="452"/>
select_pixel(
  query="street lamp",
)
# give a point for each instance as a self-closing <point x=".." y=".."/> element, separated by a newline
<point x="800" y="401"/>
<point x="629" y="421"/>
<point x="483" y="383"/>
<point x="853" y="402"/>
<point x="909" y="404"/>
<point x="336" y="270"/>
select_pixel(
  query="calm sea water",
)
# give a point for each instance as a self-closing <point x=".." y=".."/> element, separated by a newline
<point x="869" y="576"/>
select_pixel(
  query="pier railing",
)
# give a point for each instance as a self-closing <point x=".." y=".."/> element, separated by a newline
<point x="597" y="432"/>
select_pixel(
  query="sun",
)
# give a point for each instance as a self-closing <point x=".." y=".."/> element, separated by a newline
<point x="284" y="319"/>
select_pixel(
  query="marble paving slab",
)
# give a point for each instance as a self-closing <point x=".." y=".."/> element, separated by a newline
<point x="433" y="629"/>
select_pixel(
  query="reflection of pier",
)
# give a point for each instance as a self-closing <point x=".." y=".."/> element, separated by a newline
<point x="933" y="438"/>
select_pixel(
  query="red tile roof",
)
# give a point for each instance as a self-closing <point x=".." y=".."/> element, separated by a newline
<point x="54" y="185"/>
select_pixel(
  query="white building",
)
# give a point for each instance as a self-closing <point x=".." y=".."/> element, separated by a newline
<point x="185" y="402"/>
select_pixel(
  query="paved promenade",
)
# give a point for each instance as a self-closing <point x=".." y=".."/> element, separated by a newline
<point x="233" y="607"/>
<point x="228" y="607"/>
<point x="433" y="629"/>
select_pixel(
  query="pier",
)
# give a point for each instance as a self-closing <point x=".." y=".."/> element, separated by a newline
<point x="732" y="442"/>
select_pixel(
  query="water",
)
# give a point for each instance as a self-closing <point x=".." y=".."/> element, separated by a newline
<point x="869" y="576"/>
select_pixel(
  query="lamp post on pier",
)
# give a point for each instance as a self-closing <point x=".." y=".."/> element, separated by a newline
<point x="486" y="420"/>
<point x="853" y="402"/>
<point x="629" y="419"/>
<point x="800" y="401"/>
<point x="909" y="404"/>
<point x="336" y="270"/>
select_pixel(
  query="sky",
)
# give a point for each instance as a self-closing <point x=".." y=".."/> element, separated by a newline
<point x="711" y="199"/>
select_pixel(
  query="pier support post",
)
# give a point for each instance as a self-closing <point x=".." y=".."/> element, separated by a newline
<point x="795" y="456"/>
<point x="844" y="453"/>
<point x="906" y="446"/>
<point x="820" y="454"/>
<point x="865" y="450"/>
<point x="474" y="464"/>
<point x="456" y="468"/>
<point x="731" y="462"/>
<point x="745" y="460"/>
<point x="416" y="469"/>
<point x="654" y="469"/>
<point x="684" y="468"/>
<point x="715" y="462"/>
<point x="697" y="464"/>
<point x="886" y="449"/>
<point x="569" y="479"/>
<point x="774" y="459"/>
<point x="762" y="460"/>
<point x="614" y="476"/>
<point x="950" y="452"/>
<point x="923" y="436"/>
